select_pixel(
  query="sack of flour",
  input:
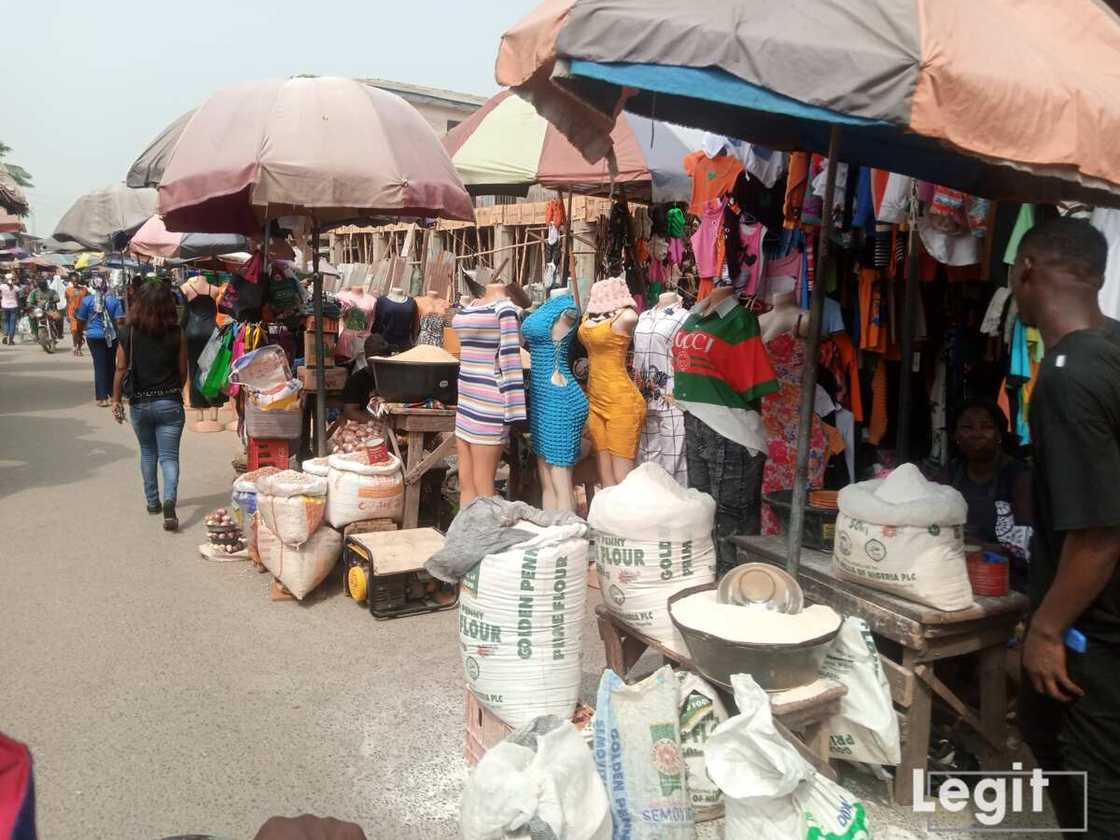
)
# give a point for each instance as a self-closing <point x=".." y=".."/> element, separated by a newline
<point x="701" y="711"/>
<point x="653" y="538"/>
<point x="770" y="791"/>
<point x="539" y="782"/>
<point x="637" y="745"/>
<point x="292" y="504"/>
<point x="521" y="617"/>
<point x="904" y="535"/>
<point x="866" y="729"/>
<point x="360" y="490"/>
<point x="299" y="569"/>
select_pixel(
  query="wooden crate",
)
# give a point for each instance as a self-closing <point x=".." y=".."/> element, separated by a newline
<point x="485" y="729"/>
<point x="335" y="378"/>
<point x="330" y="340"/>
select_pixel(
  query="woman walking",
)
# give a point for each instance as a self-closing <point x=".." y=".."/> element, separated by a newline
<point x="99" y="315"/>
<point x="9" y="307"/>
<point x="75" y="294"/>
<point x="153" y="354"/>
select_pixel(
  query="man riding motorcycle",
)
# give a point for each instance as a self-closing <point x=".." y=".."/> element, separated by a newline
<point x="44" y="297"/>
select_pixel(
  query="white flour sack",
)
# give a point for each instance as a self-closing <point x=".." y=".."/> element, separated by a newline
<point x="292" y="504"/>
<point x="653" y="538"/>
<point x="904" y="535"/>
<point x="521" y="624"/>
<point x="299" y="569"/>
<point x="360" y="490"/>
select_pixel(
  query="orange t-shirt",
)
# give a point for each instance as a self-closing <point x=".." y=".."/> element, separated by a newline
<point x="711" y="177"/>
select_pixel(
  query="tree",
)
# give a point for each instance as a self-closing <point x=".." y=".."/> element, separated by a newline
<point x="20" y="175"/>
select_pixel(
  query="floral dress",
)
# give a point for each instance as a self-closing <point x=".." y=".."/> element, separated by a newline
<point x="780" y="420"/>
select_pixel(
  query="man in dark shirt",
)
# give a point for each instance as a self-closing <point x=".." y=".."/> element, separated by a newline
<point x="359" y="386"/>
<point x="1070" y="700"/>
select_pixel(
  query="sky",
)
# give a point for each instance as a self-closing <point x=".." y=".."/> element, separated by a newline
<point x="87" y="85"/>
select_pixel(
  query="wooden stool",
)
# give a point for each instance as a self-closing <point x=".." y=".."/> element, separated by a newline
<point x="926" y="635"/>
<point x="805" y="710"/>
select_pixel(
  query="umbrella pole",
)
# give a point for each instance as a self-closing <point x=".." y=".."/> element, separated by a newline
<point x="809" y="375"/>
<point x="909" y="304"/>
<point x="320" y="368"/>
<point x="566" y="248"/>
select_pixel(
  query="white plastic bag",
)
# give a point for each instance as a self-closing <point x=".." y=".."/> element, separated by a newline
<point x="866" y="729"/>
<point x="521" y="624"/>
<point x="701" y="711"/>
<point x="639" y="758"/>
<point x="264" y="369"/>
<point x="359" y="490"/>
<point x="770" y="791"/>
<point x="299" y="569"/>
<point x="653" y="538"/>
<point x="554" y="787"/>
<point x="904" y="535"/>
<point x="292" y="504"/>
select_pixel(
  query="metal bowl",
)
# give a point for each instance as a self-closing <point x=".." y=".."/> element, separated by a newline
<point x="774" y="667"/>
<point x="762" y="586"/>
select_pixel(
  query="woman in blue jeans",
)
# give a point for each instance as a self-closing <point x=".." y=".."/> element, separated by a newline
<point x="98" y="317"/>
<point x="153" y="352"/>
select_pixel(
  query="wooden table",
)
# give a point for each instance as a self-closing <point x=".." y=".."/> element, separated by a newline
<point x="793" y="712"/>
<point x="925" y="635"/>
<point x="421" y="427"/>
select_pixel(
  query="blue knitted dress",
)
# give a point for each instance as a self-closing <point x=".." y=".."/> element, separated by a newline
<point x="557" y="412"/>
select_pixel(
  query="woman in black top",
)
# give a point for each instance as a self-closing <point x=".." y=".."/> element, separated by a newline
<point x="153" y="350"/>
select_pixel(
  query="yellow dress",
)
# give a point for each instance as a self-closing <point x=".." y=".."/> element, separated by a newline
<point x="616" y="408"/>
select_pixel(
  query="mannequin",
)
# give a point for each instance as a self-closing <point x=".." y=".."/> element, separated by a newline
<point x="396" y="319"/>
<point x="432" y="310"/>
<point x="662" y="440"/>
<point x="201" y="316"/>
<point x="491" y="388"/>
<point x="616" y="409"/>
<point x="558" y="406"/>
<point x="785" y="316"/>
<point x="397" y="295"/>
<point x="358" y="313"/>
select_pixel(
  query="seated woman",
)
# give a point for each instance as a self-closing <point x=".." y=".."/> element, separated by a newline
<point x="996" y="485"/>
<point x="359" y="387"/>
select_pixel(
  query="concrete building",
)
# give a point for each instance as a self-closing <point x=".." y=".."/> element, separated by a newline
<point x="443" y="109"/>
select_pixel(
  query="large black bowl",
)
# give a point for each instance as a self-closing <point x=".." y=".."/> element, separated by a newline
<point x="410" y="382"/>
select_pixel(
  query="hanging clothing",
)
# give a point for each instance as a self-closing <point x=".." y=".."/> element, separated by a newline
<point x="394" y="320"/>
<point x="662" y="438"/>
<point x="616" y="409"/>
<point x="674" y="223"/>
<point x="781" y="418"/>
<point x="751" y="261"/>
<point x="712" y="178"/>
<point x="557" y="405"/>
<point x="877" y="428"/>
<point x="721" y="371"/>
<point x="890" y="194"/>
<point x="797" y="180"/>
<point x="838" y="356"/>
<point x="1107" y="221"/>
<point x="491" y="384"/>
<point x="201" y="317"/>
<point x="1023" y="222"/>
<point x="707" y="241"/>
<point x="431" y="330"/>
<point x="355" y="324"/>
<point x="874" y="328"/>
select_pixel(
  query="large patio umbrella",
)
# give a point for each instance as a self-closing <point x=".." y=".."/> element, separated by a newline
<point x="147" y="170"/>
<point x="153" y="239"/>
<point x="52" y="245"/>
<point x="506" y="146"/>
<point x="12" y="197"/>
<point x="328" y="148"/>
<point x="100" y="218"/>
<point x="990" y="98"/>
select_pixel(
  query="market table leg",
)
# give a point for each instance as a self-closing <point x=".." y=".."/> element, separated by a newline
<point x="993" y="706"/>
<point x="412" y="491"/>
<point x="915" y="752"/>
<point x="612" y="646"/>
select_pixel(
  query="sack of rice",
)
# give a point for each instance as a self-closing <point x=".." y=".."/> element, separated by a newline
<point x="292" y="504"/>
<point x="299" y="569"/>
<point x="243" y="498"/>
<point x="359" y="490"/>
<point x="904" y="535"/>
<point x="317" y="466"/>
<point x="521" y="617"/>
<point x="652" y="538"/>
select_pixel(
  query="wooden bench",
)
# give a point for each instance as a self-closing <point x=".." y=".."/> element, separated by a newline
<point x="802" y="711"/>
<point x="926" y="635"/>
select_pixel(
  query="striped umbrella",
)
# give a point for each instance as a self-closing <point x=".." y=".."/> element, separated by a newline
<point x="994" y="98"/>
<point x="506" y="146"/>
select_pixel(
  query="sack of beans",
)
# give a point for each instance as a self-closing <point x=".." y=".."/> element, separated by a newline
<point x="359" y="490"/>
<point x="299" y="569"/>
<point x="317" y="466"/>
<point x="243" y="498"/>
<point x="292" y="504"/>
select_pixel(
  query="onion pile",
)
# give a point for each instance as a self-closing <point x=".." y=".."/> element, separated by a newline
<point x="224" y="533"/>
<point x="352" y="436"/>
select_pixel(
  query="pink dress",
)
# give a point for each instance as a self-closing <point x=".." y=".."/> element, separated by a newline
<point x="705" y="242"/>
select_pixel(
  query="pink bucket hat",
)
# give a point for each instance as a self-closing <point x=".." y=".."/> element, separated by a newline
<point x="608" y="295"/>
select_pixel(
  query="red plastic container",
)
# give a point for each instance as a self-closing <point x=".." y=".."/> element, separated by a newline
<point x="988" y="572"/>
<point x="267" y="452"/>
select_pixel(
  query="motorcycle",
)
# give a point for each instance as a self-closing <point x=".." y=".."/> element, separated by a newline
<point x="44" y="329"/>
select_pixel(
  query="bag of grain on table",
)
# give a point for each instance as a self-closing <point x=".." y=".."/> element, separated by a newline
<point x="299" y="569"/>
<point x="653" y="538"/>
<point x="904" y="535"/>
<point x="360" y="490"/>
<point x="521" y="614"/>
<point x="292" y="504"/>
